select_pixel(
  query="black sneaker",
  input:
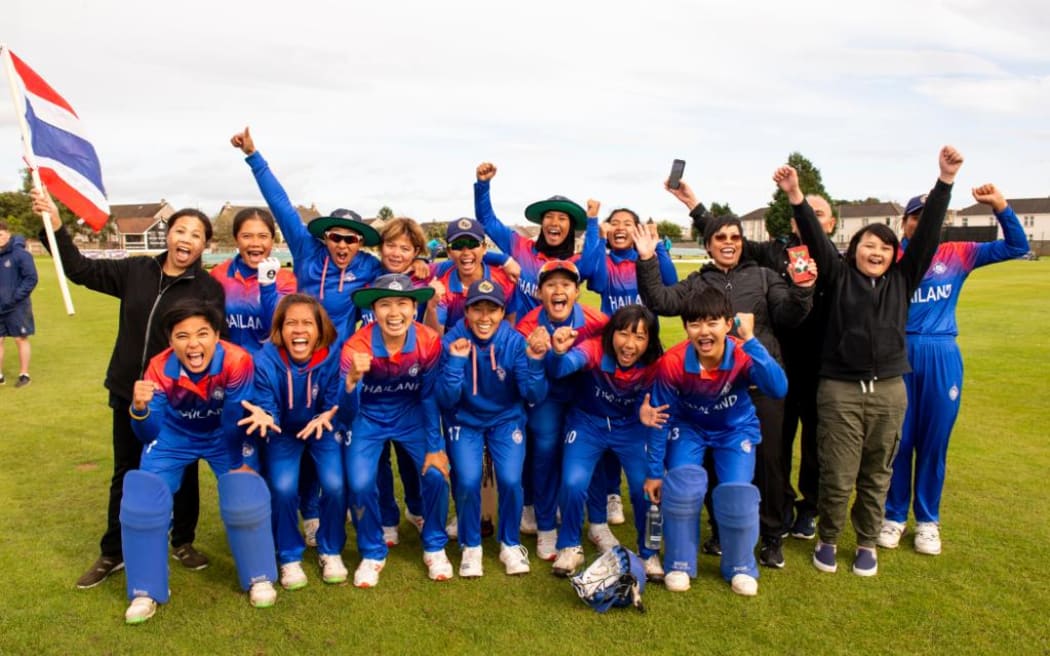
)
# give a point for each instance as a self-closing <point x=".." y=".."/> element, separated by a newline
<point x="772" y="555"/>
<point x="805" y="527"/>
<point x="23" y="380"/>
<point x="190" y="557"/>
<point x="100" y="571"/>
<point x="712" y="547"/>
<point x="2" y="379"/>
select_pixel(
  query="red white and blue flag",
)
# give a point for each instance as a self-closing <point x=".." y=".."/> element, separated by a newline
<point x="66" y="160"/>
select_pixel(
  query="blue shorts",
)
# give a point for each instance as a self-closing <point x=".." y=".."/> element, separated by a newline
<point x="18" y="322"/>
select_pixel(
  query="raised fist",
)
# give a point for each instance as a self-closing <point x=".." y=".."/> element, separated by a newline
<point x="360" y="364"/>
<point x="486" y="171"/>
<point x="243" y="140"/>
<point x="786" y="178"/>
<point x="949" y="160"/>
<point x="988" y="194"/>
<point x="539" y="342"/>
<point x="268" y="269"/>
<point x="592" y="207"/>
<point x="745" y="325"/>
<point x="142" y="394"/>
<point x="460" y="348"/>
<point x="563" y="339"/>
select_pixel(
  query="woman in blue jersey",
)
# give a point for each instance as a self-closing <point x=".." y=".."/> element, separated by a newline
<point x="934" y="385"/>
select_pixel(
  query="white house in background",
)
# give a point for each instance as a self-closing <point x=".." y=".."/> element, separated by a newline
<point x="142" y="227"/>
<point x="852" y="218"/>
<point x="1034" y="214"/>
<point x="754" y="225"/>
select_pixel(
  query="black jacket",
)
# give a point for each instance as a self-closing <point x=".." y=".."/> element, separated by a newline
<point x="864" y="338"/>
<point x="145" y="295"/>
<point x="750" y="288"/>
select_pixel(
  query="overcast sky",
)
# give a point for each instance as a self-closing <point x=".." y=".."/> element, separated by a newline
<point x="362" y="105"/>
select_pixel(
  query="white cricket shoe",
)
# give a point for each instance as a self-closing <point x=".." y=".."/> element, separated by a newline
<point x="416" y="520"/>
<point x="527" y="525"/>
<point x="547" y="544"/>
<point x="890" y="535"/>
<point x="515" y="559"/>
<point x="332" y="568"/>
<point x="744" y="584"/>
<point x="568" y="561"/>
<point x="614" y="509"/>
<point x="140" y="610"/>
<point x="367" y="573"/>
<point x="602" y="537"/>
<point x="654" y="569"/>
<point x="310" y="527"/>
<point x="677" y="581"/>
<point x="470" y="566"/>
<point x="928" y="538"/>
<point x="439" y="567"/>
<point x="262" y="594"/>
<point x="452" y="528"/>
<point x="391" y="536"/>
<point x="292" y="576"/>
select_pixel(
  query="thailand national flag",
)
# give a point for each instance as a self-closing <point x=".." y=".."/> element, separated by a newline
<point x="66" y="160"/>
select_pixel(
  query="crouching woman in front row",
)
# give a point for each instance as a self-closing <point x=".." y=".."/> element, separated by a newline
<point x="186" y="408"/>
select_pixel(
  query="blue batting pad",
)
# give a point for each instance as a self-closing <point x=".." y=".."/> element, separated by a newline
<point x="682" y="497"/>
<point x="244" y="503"/>
<point x="145" y="515"/>
<point x="736" y="511"/>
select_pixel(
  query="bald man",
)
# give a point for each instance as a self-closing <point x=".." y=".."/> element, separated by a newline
<point x="800" y="348"/>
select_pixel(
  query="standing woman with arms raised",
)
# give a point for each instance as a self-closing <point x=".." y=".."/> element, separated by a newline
<point x="935" y="382"/>
<point x="147" y="287"/>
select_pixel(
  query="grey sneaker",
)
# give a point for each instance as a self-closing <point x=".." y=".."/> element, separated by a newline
<point x="190" y="557"/>
<point x="100" y="571"/>
<point x="23" y="380"/>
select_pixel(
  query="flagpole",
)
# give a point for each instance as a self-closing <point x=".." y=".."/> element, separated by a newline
<point x="63" y="285"/>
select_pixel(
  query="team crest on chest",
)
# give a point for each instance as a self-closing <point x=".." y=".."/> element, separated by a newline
<point x="745" y="446"/>
<point x="349" y="276"/>
<point x="218" y="394"/>
<point x="501" y="373"/>
<point x="414" y="369"/>
<point x="247" y="450"/>
<point x="939" y="268"/>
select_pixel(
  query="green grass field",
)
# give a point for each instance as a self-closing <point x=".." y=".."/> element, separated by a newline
<point x="985" y="594"/>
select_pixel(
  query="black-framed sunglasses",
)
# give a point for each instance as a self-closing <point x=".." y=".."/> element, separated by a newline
<point x="337" y="238"/>
<point x="461" y="244"/>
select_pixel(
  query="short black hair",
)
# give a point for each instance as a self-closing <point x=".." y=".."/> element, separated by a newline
<point x="627" y="318"/>
<point x="193" y="307"/>
<point x="709" y="303"/>
<point x="247" y="213"/>
<point x="880" y="230"/>
<point x="196" y="214"/>
<point x="715" y="224"/>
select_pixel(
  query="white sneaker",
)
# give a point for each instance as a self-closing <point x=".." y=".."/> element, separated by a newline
<point x="677" y="581"/>
<point x="470" y="566"/>
<point x="390" y="536"/>
<point x="332" y="568"/>
<point x="614" y="509"/>
<point x="292" y="576"/>
<point x="547" y="544"/>
<point x="262" y="594"/>
<point x="452" y="528"/>
<point x="416" y="520"/>
<point x="310" y="527"/>
<point x="928" y="538"/>
<point x="568" y="561"/>
<point x="439" y="568"/>
<point x="528" y="521"/>
<point x="140" y="610"/>
<point x="367" y="573"/>
<point x="890" y="535"/>
<point x="654" y="569"/>
<point x="602" y="537"/>
<point x="744" y="584"/>
<point x="515" y="559"/>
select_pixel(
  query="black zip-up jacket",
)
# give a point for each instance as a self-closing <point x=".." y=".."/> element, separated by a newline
<point x="864" y="338"/>
<point x="750" y="288"/>
<point x="145" y="295"/>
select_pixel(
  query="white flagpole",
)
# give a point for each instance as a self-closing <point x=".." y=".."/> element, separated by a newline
<point x="5" y="53"/>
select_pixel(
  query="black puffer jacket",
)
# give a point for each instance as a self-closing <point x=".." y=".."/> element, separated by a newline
<point x="145" y="295"/>
<point x="864" y="338"/>
<point x="750" y="288"/>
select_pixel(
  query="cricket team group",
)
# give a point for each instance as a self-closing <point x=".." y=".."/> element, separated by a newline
<point x="299" y="386"/>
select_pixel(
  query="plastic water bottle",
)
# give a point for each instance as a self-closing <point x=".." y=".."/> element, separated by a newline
<point x="654" y="527"/>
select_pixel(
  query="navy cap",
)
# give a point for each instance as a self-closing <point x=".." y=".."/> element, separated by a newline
<point x="485" y="290"/>
<point x="915" y="205"/>
<point x="464" y="228"/>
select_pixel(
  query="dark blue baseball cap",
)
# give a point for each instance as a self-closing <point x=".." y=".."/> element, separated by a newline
<point x="485" y="290"/>
<point x="465" y="227"/>
<point x="915" y="205"/>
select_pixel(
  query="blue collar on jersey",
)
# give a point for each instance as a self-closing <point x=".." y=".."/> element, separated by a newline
<point x="379" y="348"/>
<point x="625" y="255"/>
<point x="576" y="319"/>
<point x="173" y="368"/>
<point x="456" y="285"/>
<point x="237" y="265"/>
<point x="692" y="360"/>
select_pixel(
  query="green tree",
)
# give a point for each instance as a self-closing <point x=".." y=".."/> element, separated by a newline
<point x="778" y="218"/>
<point x="669" y="229"/>
<point x="716" y="210"/>
<point x="385" y="213"/>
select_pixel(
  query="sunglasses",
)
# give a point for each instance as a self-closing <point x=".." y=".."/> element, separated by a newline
<point x="337" y="238"/>
<point x="461" y="244"/>
<point x="724" y="237"/>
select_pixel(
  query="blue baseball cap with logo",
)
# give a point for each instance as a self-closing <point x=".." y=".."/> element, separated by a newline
<point x="485" y="290"/>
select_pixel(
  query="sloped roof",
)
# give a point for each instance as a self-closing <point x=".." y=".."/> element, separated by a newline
<point x="868" y="210"/>
<point x="136" y="225"/>
<point x="1020" y="205"/>
<point x="755" y="215"/>
<point x="134" y="211"/>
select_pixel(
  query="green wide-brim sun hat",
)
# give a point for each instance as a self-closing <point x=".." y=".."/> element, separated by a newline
<point x="321" y="224"/>
<point x="364" y="298"/>
<point x="577" y="214"/>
